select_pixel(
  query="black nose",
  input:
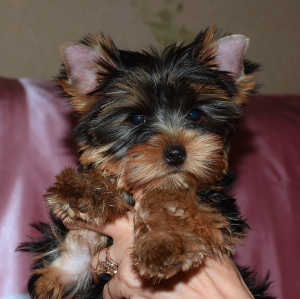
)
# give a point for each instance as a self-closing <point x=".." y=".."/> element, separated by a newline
<point x="175" y="154"/>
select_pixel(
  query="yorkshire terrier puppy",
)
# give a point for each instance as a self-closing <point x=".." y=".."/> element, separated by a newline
<point x="154" y="131"/>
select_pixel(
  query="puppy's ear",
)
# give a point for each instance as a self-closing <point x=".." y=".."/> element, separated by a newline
<point x="229" y="54"/>
<point x="226" y="54"/>
<point x="87" y="65"/>
<point x="230" y="57"/>
<point x="81" y="66"/>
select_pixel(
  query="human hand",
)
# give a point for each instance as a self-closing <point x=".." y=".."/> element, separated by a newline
<point x="215" y="278"/>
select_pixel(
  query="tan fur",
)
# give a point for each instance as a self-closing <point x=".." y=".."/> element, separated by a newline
<point x="75" y="197"/>
<point x="138" y="171"/>
<point x="246" y="83"/>
<point x="83" y="102"/>
<point x="202" y="231"/>
<point x="71" y="270"/>
<point x="184" y="232"/>
<point x="206" y="53"/>
<point x="174" y="229"/>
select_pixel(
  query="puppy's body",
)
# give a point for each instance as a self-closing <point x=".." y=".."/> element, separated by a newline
<point x="153" y="128"/>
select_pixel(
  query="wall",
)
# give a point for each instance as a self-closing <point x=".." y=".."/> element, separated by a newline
<point x="31" y="30"/>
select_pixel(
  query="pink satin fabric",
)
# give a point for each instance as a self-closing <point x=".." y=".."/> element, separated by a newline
<point x="35" y="144"/>
<point x="35" y="128"/>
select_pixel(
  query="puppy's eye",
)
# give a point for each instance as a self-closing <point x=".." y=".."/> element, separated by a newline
<point x="137" y="119"/>
<point x="195" y="115"/>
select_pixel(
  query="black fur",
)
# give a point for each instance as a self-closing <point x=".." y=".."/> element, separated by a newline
<point x="257" y="286"/>
<point x="48" y="242"/>
<point x="163" y="82"/>
<point x="156" y="86"/>
<point x="226" y="204"/>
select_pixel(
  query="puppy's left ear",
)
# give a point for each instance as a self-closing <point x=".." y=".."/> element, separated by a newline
<point x="229" y="54"/>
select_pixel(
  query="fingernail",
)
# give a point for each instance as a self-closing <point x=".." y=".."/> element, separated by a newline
<point x="105" y="276"/>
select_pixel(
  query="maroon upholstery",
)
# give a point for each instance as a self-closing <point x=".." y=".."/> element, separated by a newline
<point x="266" y="156"/>
<point x="35" y="143"/>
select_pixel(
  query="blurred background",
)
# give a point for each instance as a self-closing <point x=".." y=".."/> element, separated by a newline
<point x="31" y="30"/>
<point x="35" y="123"/>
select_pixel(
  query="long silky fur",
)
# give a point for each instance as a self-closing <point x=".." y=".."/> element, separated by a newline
<point x="162" y="83"/>
<point x="48" y="243"/>
<point x="257" y="286"/>
<point x="45" y="250"/>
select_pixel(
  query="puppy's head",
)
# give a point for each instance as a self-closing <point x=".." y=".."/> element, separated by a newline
<point x="158" y="119"/>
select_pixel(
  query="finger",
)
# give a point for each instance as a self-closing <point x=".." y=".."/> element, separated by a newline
<point x="111" y="290"/>
<point x="119" y="228"/>
<point x="112" y="229"/>
<point x="128" y="284"/>
<point x="70" y="226"/>
<point x="81" y="224"/>
<point x="94" y="264"/>
<point x="226" y="276"/>
<point x="104" y="266"/>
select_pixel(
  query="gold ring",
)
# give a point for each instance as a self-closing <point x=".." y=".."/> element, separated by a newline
<point x="108" y="269"/>
<point x="110" y="261"/>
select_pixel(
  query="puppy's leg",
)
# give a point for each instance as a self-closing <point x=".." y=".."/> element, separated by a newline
<point x="69" y="275"/>
<point x="87" y="196"/>
<point x="63" y="271"/>
<point x="62" y="261"/>
<point x="173" y="233"/>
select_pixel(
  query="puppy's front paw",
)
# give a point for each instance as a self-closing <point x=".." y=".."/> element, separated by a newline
<point x="87" y="196"/>
<point x="173" y="233"/>
<point x="160" y="254"/>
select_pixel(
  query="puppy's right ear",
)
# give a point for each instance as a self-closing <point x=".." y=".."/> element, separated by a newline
<point x="81" y="66"/>
<point x="86" y="65"/>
